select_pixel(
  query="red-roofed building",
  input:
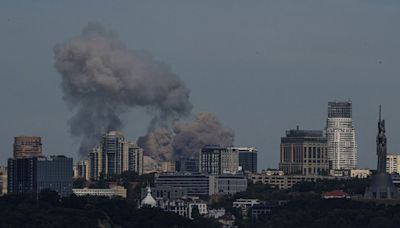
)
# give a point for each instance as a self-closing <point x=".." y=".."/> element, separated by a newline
<point x="335" y="194"/>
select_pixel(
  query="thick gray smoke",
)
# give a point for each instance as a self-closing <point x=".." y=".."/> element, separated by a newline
<point x="102" y="79"/>
<point x="186" y="138"/>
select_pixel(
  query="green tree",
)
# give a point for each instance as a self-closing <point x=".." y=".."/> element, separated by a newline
<point x="49" y="196"/>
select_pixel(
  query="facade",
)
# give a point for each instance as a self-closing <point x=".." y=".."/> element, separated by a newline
<point x="340" y="134"/>
<point x="393" y="163"/>
<point x="166" y="192"/>
<point x="28" y="176"/>
<point x="240" y="203"/>
<point x="3" y="181"/>
<point x="263" y="209"/>
<point x="55" y="173"/>
<point x="190" y="165"/>
<point x="27" y="146"/>
<point x="95" y="163"/>
<point x="116" y="191"/>
<point x="287" y="181"/>
<point x="81" y="170"/>
<point x="22" y="176"/>
<point x="304" y="152"/>
<point x="360" y="173"/>
<point x="215" y="160"/>
<point x="134" y="159"/>
<point x="230" y="184"/>
<point x="168" y="166"/>
<point x="193" y="184"/>
<point x="112" y="153"/>
<point x="183" y="206"/>
<point x="247" y="158"/>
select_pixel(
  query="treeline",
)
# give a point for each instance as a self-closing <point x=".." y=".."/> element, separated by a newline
<point x="306" y="208"/>
<point x="313" y="211"/>
<point x="51" y="211"/>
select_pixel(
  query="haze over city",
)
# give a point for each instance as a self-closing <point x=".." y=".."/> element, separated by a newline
<point x="261" y="67"/>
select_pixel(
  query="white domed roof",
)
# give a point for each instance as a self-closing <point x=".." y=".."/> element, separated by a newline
<point x="149" y="200"/>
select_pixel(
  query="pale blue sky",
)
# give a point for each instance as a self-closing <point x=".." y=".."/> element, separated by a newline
<point x="261" y="66"/>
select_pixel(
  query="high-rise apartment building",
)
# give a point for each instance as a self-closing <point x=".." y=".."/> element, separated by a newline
<point x="114" y="155"/>
<point x="27" y="146"/>
<point x="217" y="160"/>
<point x="340" y="134"/>
<point x="112" y="152"/>
<point x="247" y="158"/>
<point x="29" y="176"/>
<point x="95" y="163"/>
<point x="133" y="158"/>
<point x="393" y="163"/>
<point x="81" y="170"/>
<point x="304" y="152"/>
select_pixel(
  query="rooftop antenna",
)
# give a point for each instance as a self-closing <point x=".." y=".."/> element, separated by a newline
<point x="380" y="111"/>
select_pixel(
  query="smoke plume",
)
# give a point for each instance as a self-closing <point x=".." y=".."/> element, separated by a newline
<point x="102" y="79"/>
<point x="186" y="138"/>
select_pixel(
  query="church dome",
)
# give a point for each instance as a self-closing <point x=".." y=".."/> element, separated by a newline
<point x="149" y="200"/>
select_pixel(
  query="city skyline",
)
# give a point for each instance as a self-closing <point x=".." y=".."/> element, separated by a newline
<point x="272" y="82"/>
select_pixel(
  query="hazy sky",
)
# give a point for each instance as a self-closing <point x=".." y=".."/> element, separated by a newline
<point x="261" y="66"/>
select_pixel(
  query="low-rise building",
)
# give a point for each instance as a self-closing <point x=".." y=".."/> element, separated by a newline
<point x="244" y="205"/>
<point x="360" y="173"/>
<point x="393" y="163"/>
<point x="216" y="213"/>
<point x="166" y="192"/>
<point x="115" y="191"/>
<point x="193" y="184"/>
<point x="230" y="184"/>
<point x="285" y="181"/>
<point x="335" y="194"/>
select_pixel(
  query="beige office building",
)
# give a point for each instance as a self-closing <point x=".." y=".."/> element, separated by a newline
<point x="304" y="152"/>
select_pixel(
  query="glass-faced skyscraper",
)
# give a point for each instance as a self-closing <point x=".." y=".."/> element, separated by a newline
<point x="340" y="134"/>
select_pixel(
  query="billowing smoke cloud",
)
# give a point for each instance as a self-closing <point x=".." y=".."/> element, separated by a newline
<point x="102" y="79"/>
<point x="186" y="138"/>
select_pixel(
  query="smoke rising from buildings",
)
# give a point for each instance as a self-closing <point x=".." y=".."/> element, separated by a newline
<point x="102" y="79"/>
<point x="185" y="139"/>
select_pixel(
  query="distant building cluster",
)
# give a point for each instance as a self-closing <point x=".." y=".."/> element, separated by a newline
<point x="214" y="171"/>
<point x="29" y="172"/>
<point x="113" y="156"/>
<point x="310" y="152"/>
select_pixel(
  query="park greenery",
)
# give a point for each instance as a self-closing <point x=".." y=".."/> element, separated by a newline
<point x="49" y="210"/>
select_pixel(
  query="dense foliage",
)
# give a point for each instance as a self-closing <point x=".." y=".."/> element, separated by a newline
<point x="51" y="211"/>
<point x="306" y="208"/>
<point x="316" y="212"/>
